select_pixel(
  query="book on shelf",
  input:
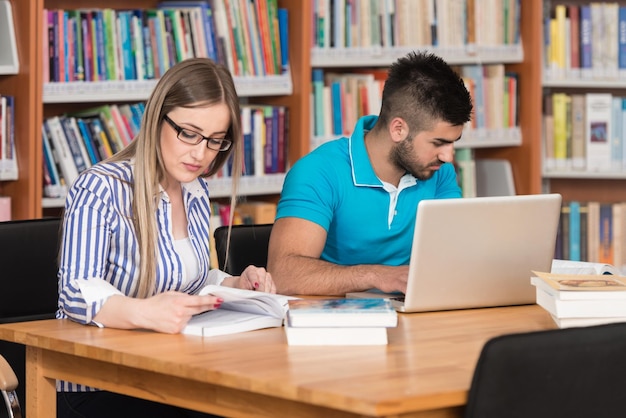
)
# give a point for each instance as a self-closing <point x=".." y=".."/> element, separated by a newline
<point x="598" y="131"/>
<point x="242" y="310"/>
<point x="8" y="157"/>
<point x="374" y="312"/>
<point x="334" y="336"/>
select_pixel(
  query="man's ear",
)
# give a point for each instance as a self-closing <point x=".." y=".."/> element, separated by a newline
<point x="398" y="130"/>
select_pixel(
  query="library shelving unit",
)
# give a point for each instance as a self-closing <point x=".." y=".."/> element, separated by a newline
<point x="35" y="102"/>
<point x="520" y="146"/>
<point x="606" y="187"/>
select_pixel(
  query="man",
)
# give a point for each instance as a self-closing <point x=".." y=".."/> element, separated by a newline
<point x="346" y="216"/>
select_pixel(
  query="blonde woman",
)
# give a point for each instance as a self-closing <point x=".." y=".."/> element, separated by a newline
<point x="135" y="245"/>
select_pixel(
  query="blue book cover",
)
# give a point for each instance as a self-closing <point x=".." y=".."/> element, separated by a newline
<point x="622" y="38"/>
<point x="374" y="312"/>
<point x="124" y="17"/>
<point x="147" y="48"/>
<point x="66" y="56"/>
<point x="49" y="158"/>
<point x="318" y="101"/>
<point x="100" y="45"/>
<point x="283" y="28"/>
<point x="94" y="155"/>
<point x="574" y="231"/>
<point x="335" y="93"/>
<point x="72" y="141"/>
<point x="585" y="38"/>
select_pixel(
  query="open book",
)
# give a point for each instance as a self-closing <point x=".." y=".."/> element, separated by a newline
<point x="242" y="310"/>
<point x="582" y="267"/>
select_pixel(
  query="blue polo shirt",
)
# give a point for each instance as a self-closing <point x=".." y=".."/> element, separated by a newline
<point x="367" y="221"/>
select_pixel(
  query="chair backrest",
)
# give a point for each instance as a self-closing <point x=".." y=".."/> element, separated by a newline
<point x="494" y="177"/>
<point x="248" y="246"/>
<point x="574" y="372"/>
<point x="28" y="281"/>
<point x="8" y="384"/>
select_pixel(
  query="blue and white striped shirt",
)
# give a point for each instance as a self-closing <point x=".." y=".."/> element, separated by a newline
<point x="99" y="249"/>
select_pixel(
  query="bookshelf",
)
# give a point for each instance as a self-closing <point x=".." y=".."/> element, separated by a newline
<point x="37" y="102"/>
<point x="9" y="62"/>
<point x="521" y="146"/>
<point x="562" y="77"/>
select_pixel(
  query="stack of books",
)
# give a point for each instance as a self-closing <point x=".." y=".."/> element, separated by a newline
<point x="576" y="300"/>
<point x="339" y="321"/>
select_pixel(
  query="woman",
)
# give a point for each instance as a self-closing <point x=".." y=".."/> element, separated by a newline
<point x="135" y="245"/>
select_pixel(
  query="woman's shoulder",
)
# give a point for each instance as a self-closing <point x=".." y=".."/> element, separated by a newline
<point x="106" y="172"/>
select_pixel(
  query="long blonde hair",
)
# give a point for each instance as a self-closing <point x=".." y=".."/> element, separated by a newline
<point x="194" y="82"/>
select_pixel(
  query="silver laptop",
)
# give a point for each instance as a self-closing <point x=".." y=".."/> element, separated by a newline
<point x="478" y="252"/>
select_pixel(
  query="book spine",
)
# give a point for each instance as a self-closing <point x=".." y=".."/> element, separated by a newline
<point x="622" y="41"/>
<point x="574" y="231"/>
<point x="318" y="101"/>
<point x="585" y="41"/>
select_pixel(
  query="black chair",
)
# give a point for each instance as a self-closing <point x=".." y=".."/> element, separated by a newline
<point x="574" y="372"/>
<point x="248" y="246"/>
<point x="28" y="282"/>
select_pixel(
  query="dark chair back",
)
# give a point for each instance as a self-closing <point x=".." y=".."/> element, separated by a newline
<point x="248" y="246"/>
<point x="28" y="281"/>
<point x="574" y="372"/>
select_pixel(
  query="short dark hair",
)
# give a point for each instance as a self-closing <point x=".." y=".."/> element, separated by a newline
<point x="422" y="89"/>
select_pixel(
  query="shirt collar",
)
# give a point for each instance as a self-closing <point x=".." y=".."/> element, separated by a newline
<point x="363" y="173"/>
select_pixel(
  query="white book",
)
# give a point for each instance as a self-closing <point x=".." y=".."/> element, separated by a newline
<point x="598" y="131"/>
<point x="582" y="267"/>
<point x="333" y="336"/>
<point x="242" y="310"/>
<point x="599" y="308"/>
<point x="62" y="152"/>
<point x="586" y="322"/>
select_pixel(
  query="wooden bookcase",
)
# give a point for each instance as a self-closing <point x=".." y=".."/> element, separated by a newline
<point x="606" y="187"/>
<point x="27" y="87"/>
<point x="526" y="159"/>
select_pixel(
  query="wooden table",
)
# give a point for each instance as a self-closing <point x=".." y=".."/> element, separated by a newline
<point x="424" y="371"/>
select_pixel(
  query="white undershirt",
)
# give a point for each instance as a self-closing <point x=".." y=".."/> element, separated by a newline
<point x="190" y="262"/>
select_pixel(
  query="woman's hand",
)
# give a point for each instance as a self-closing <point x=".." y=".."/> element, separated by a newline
<point x="252" y="278"/>
<point x="166" y="312"/>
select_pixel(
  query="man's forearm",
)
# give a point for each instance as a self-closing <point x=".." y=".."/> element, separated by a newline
<point x="300" y="275"/>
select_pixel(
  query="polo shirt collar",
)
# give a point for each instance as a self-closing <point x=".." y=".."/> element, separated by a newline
<point x="362" y="171"/>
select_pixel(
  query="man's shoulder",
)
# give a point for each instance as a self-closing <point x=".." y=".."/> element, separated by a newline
<point x="333" y="151"/>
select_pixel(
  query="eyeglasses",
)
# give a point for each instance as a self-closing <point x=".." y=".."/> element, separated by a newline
<point x="194" y="138"/>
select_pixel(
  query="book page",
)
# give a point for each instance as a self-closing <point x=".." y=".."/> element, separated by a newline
<point x="582" y="267"/>
<point x="251" y="301"/>
<point x="224" y="321"/>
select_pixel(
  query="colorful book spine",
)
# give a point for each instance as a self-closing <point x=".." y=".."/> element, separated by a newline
<point x="574" y="231"/>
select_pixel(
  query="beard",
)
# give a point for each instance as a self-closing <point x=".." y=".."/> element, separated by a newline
<point x="402" y="155"/>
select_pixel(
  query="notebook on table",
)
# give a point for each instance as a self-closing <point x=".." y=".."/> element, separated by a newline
<point x="478" y="252"/>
